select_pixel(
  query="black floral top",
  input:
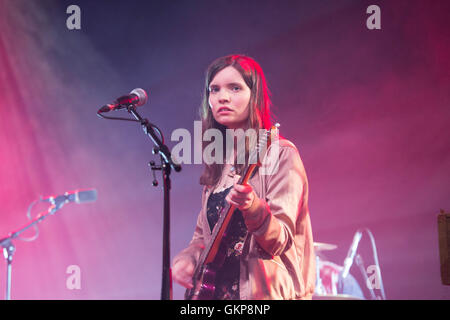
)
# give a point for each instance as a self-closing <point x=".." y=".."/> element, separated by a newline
<point x="227" y="278"/>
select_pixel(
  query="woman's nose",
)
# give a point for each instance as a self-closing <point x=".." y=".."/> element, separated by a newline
<point x="224" y="96"/>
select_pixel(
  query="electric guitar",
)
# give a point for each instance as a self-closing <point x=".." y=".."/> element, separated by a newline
<point x="214" y="254"/>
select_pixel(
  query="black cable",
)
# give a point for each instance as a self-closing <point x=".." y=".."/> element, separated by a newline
<point x="29" y="218"/>
<point x="133" y="120"/>
<point x="375" y="257"/>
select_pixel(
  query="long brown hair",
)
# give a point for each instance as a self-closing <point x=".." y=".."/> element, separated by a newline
<point x="259" y="106"/>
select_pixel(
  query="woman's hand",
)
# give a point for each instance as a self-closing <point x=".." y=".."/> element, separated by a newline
<point x="242" y="196"/>
<point x="182" y="272"/>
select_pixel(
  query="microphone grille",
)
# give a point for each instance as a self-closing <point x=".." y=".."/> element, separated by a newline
<point x="83" y="196"/>
<point x="142" y="95"/>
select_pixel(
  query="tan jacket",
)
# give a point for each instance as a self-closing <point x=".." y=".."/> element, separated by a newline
<point x="277" y="260"/>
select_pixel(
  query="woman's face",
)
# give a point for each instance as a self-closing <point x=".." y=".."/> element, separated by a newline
<point x="229" y="98"/>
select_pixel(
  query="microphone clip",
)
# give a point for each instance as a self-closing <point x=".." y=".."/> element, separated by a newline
<point x="154" y="167"/>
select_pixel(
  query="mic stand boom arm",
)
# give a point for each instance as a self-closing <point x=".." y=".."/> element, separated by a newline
<point x="161" y="148"/>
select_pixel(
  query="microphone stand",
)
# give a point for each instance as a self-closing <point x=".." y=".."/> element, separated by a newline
<point x="166" y="165"/>
<point x="9" y="248"/>
<point x="350" y="257"/>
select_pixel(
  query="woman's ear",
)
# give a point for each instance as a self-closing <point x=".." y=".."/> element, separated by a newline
<point x="209" y="102"/>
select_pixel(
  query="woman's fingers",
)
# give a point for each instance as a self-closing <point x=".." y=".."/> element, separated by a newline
<point x="242" y="188"/>
<point x="182" y="273"/>
<point x="238" y="196"/>
<point x="241" y="191"/>
<point x="241" y="196"/>
<point x="185" y="283"/>
<point x="232" y="202"/>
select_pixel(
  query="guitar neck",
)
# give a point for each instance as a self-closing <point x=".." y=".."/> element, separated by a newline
<point x="210" y="251"/>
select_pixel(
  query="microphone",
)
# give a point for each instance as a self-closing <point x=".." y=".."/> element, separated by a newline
<point x="351" y="254"/>
<point x="77" y="196"/>
<point x="137" y="97"/>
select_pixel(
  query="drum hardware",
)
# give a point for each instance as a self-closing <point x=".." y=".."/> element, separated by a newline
<point x="320" y="246"/>
<point x="330" y="276"/>
<point x="335" y="297"/>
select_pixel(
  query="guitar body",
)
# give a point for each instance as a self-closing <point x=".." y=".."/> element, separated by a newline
<point x="205" y="282"/>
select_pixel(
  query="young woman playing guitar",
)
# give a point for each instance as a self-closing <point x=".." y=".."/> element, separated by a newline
<point x="253" y="237"/>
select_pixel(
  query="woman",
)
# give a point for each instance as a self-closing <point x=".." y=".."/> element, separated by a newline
<point x="271" y="254"/>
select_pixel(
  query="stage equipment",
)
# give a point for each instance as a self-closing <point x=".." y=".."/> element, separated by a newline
<point x="136" y="98"/>
<point x="349" y="261"/>
<point x="57" y="202"/>
<point x="320" y="246"/>
<point x="351" y="254"/>
<point x="444" y="245"/>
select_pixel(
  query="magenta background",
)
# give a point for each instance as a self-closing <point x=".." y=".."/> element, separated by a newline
<point x="368" y="110"/>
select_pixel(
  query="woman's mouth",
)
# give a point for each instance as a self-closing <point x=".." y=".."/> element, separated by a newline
<point x="224" y="110"/>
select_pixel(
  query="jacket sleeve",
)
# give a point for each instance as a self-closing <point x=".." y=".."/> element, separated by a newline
<point x="273" y="220"/>
<point x="197" y="244"/>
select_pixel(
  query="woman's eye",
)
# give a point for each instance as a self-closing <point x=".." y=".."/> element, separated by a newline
<point x="215" y="89"/>
<point x="236" y="88"/>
